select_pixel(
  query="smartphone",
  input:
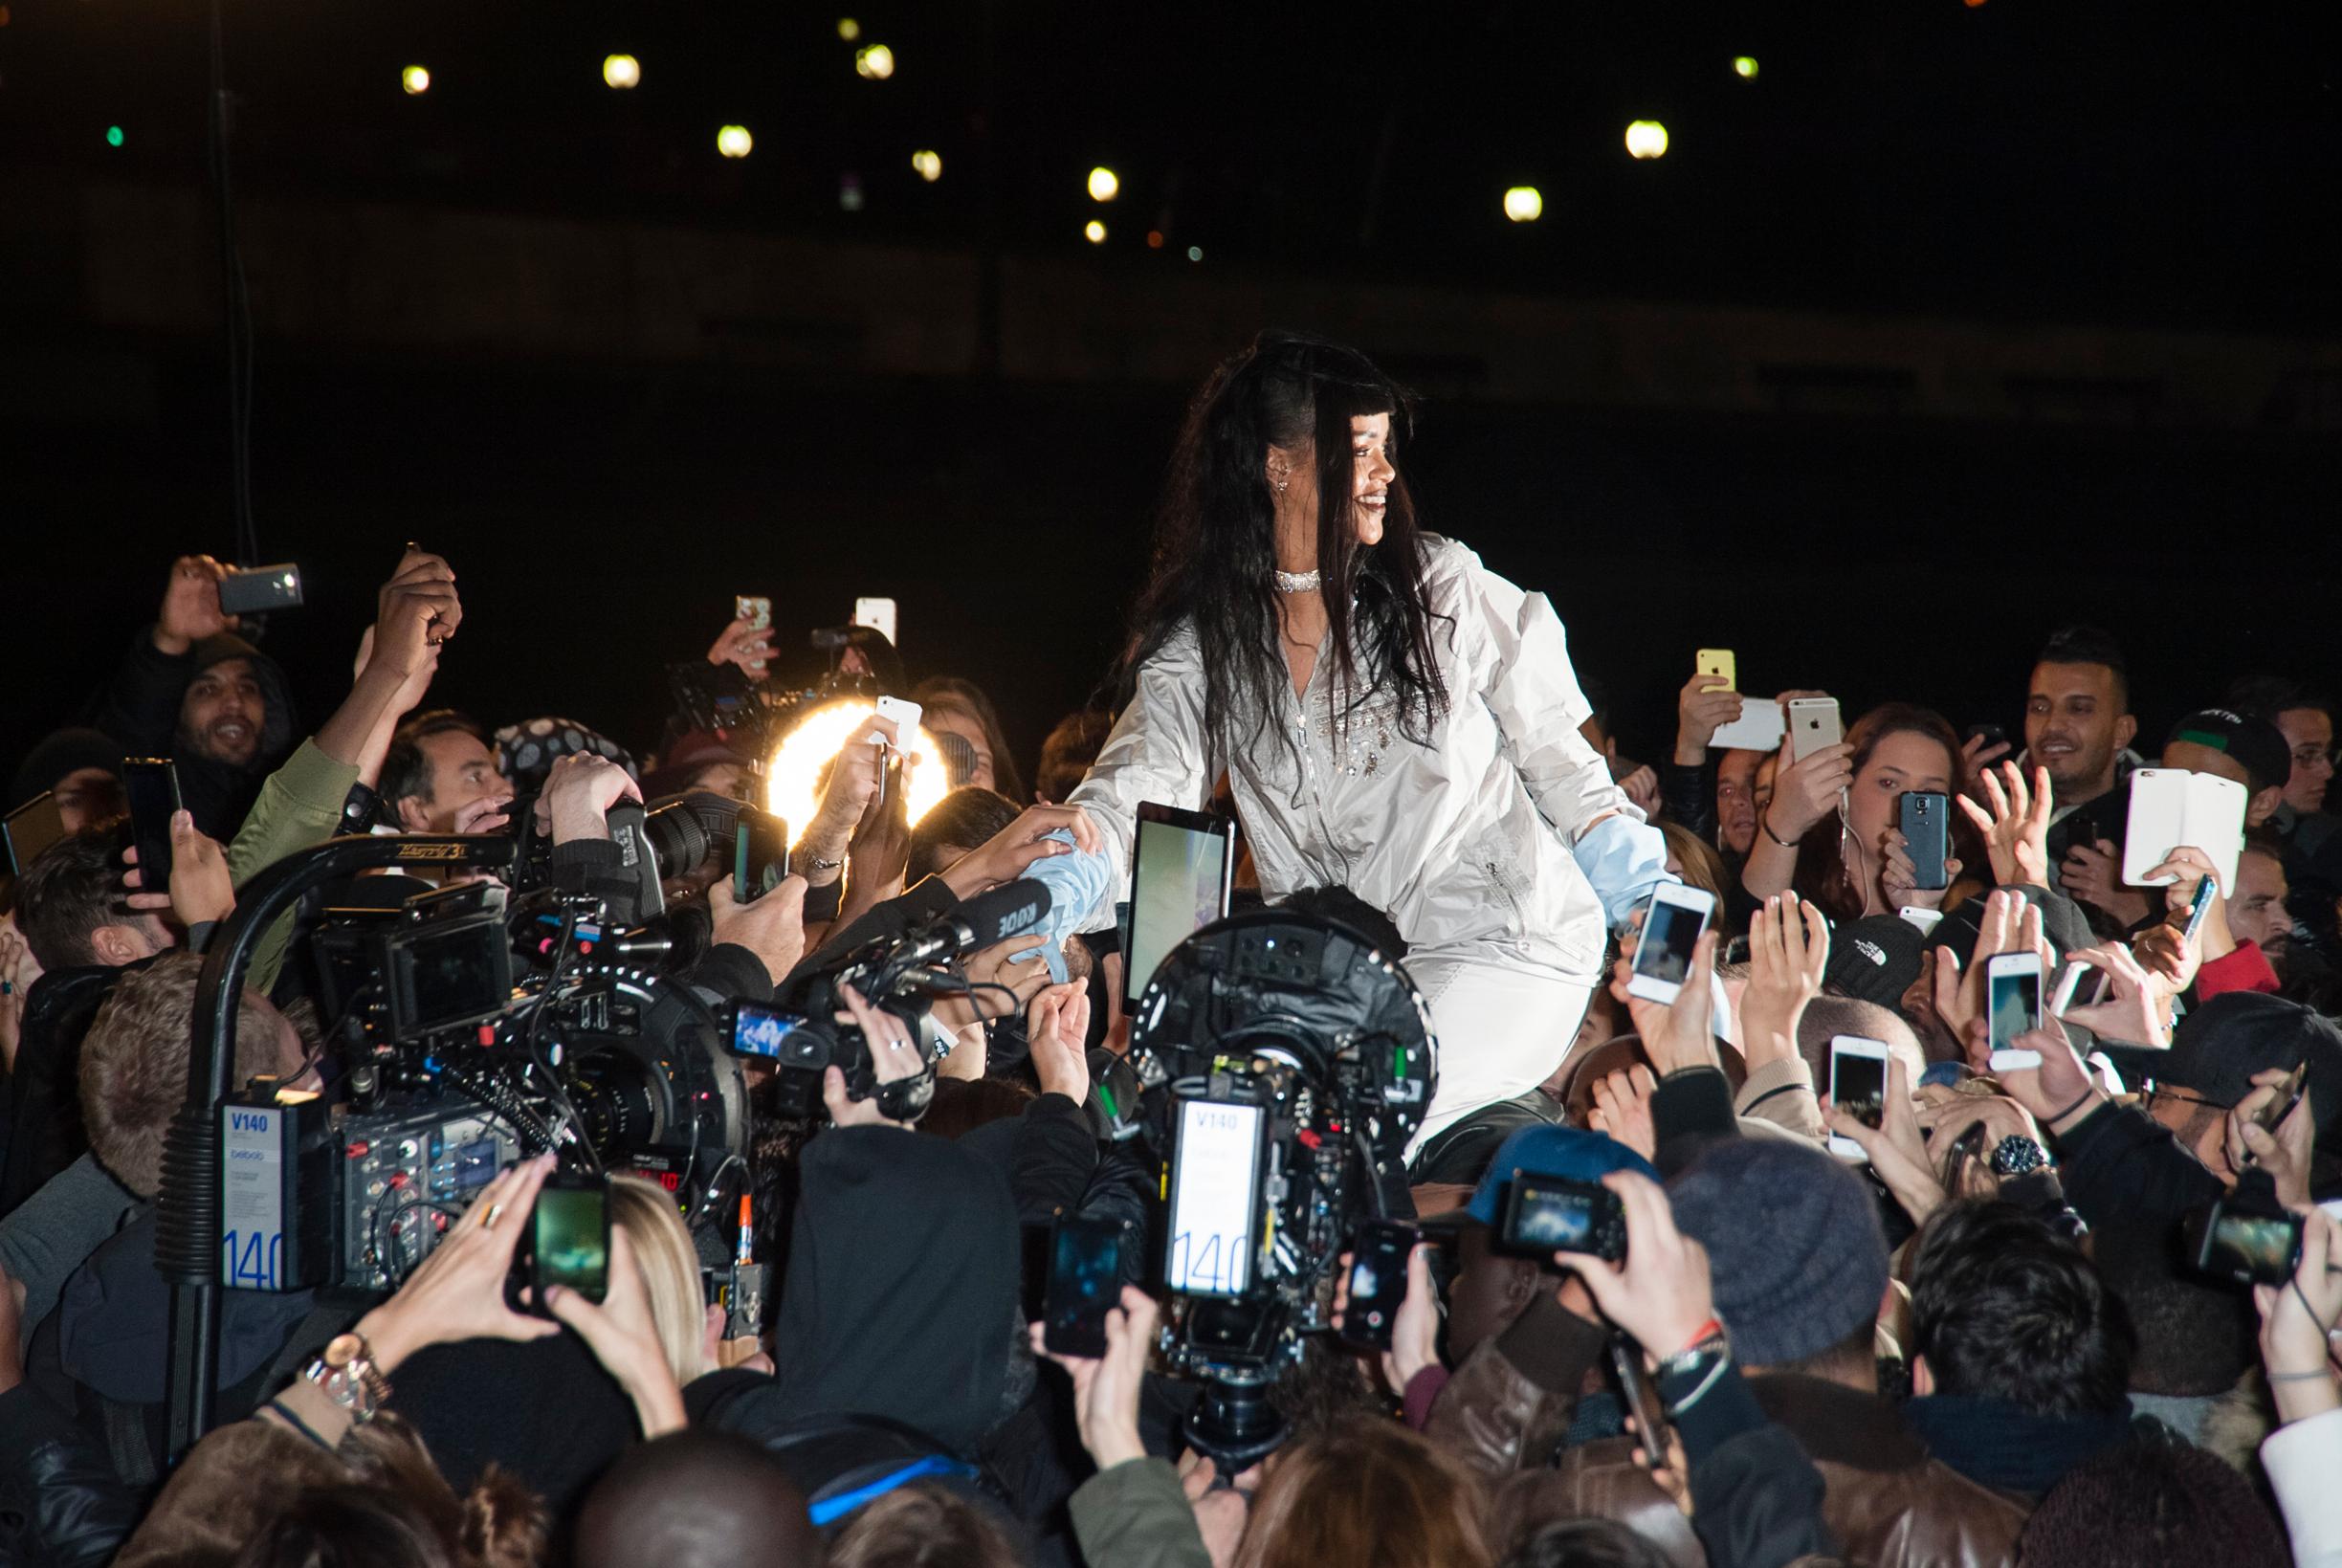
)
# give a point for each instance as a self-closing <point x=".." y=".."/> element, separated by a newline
<point x="1377" y="1281"/>
<point x="566" y="1241"/>
<point x="1926" y="821"/>
<point x="2070" y="987"/>
<point x="878" y="614"/>
<point x="1717" y="661"/>
<point x="760" y="854"/>
<point x="1985" y="736"/>
<point x="753" y="609"/>
<point x="255" y="590"/>
<point x="1548" y="1214"/>
<point x="2245" y="1243"/>
<point x="905" y="716"/>
<point x="1758" y="728"/>
<point x="152" y="785"/>
<point x="2289" y="1096"/>
<point x="2172" y="807"/>
<point x="1671" y="925"/>
<point x="2012" y="1006"/>
<point x="1857" y="1086"/>
<point x="1641" y="1400"/>
<point x="2200" y="904"/>
<point x="1215" y="1187"/>
<point x="1085" y="1284"/>
<point x="1813" y="724"/>
<point x="31" y="829"/>
<point x="1183" y="872"/>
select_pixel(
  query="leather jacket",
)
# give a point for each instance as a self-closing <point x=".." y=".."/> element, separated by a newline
<point x="1885" y="1501"/>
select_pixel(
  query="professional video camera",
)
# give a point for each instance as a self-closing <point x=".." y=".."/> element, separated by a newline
<point x="1287" y="1062"/>
<point x="800" y="1036"/>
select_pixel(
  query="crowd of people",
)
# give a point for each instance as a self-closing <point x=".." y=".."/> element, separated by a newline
<point x="1984" y="1341"/>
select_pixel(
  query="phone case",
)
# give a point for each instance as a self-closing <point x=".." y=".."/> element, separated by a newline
<point x="1717" y="661"/>
<point x="1758" y="728"/>
<point x="1927" y="830"/>
<point x="2172" y="807"/>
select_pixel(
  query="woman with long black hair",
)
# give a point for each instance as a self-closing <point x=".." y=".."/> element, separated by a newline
<point x="1391" y="716"/>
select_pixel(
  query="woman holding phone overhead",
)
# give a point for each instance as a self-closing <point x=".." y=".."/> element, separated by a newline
<point x="1391" y="716"/>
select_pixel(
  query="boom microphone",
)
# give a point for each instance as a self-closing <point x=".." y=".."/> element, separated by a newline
<point x="978" y="922"/>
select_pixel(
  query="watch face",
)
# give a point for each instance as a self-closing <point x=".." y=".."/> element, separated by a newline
<point x="342" y="1350"/>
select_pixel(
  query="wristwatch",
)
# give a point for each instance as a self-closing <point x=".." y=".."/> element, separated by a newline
<point x="346" y="1373"/>
<point x="2016" y="1153"/>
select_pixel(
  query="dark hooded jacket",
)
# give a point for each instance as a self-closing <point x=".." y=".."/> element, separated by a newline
<point x="141" y="710"/>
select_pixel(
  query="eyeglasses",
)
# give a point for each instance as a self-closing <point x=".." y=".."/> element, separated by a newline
<point x="2163" y="1091"/>
<point x="2311" y="755"/>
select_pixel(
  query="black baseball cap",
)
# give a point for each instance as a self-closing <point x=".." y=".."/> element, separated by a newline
<point x="2258" y="746"/>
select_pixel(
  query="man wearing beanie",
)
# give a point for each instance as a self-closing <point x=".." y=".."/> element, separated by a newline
<point x="1800" y="1268"/>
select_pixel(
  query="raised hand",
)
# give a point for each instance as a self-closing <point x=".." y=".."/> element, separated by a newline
<point x="2296" y="1320"/>
<point x="1899" y="878"/>
<point x="1661" y="1292"/>
<point x="2284" y="1152"/>
<point x="1706" y="704"/>
<point x="894" y="1054"/>
<point x="1895" y="1148"/>
<point x="2016" y="826"/>
<point x="1622" y="1109"/>
<point x="1788" y="954"/>
<point x="1008" y="854"/>
<point x="2134" y="1012"/>
<point x="2091" y="873"/>
<point x="201" y="890"/>
<point x="1676" y="1035"/>
<point x="624" y="1336"/>
<point x="1057" y="1031"/>
<point x="1806" y="792"/>
<point x="1106" y="1389"/>
<point x="458" y="1292"/>
<point x="190" y="608"/>
<point x="746" y="644"/>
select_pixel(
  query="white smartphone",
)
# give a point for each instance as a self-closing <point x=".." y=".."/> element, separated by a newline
<point x="2171" y="806"/>
<point x="2070" y="988"/>
<point x="2012" y="1006"/>
<point x="1813" y="723"/>
<point x="878" y="614"/>
<point x="1671" y="925"/>
<point x="1758" y="728"/>
<point x="905" y="716"/>
<point x="1857" y="1086"/>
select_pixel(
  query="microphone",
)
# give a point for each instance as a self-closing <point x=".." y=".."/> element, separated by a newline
<point x="1007" y="911"/>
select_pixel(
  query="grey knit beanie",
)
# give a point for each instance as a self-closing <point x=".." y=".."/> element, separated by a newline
<point x="1793" y="1244"/>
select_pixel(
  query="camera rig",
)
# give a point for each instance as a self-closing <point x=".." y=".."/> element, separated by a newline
<point x="1305" y="1021"/>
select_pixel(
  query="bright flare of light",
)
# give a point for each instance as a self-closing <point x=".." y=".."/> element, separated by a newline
<point x="735" y="141"/>
<point x="930" y="165"/>
<point x="1094" y="231"/>
<point x="792" y="783"/>
<point x="622" y="70"/>
<point x="876" y="62"/>
<point x="415" y="80"/>
<point x="849" y="29"/>
<point x="1523" y="204"/>
<point x="1744" y="66"/>
<point x="1646" y="139"/>
<point x="114" y="135"/>
<point x="1104" y="185"/>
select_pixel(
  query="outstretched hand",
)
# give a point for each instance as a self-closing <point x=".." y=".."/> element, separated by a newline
<point x="458" y="1292"/>
<point x="1106" y="1388"/>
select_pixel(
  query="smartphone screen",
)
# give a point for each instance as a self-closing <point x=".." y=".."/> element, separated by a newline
<point x="1377" y="1281"/>
<point x="1084" y="1285"/>
<point x="1180" y="867"/>
<point x="570" y="1230"/>
<point x="33" y="828"/>
<point x="760" y="854"/>
<point x="152" y="785"/>
<point x="1858" y="1085"/>
<point x="2013" y="1004"/>
<point x="1215" y="1199"/>
<point x="1671" y="927"/>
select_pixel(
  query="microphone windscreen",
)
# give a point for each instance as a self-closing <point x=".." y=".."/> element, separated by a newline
<point x="1007" y="911"/>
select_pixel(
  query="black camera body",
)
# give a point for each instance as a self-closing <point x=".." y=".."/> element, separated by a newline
<point x="2247" y="1236"/>
<point x="1548" y="1214"/>
<point x="1286" y="1062"/>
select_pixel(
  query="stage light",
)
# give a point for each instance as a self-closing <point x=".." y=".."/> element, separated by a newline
<point x="1744" y="66"/>
<point x="1646" y="139"/>
<point x="735" y="141"/>
<point x="114" y="135"/>
<point x="1094" y="231"/>
<point x="1195" y="252"/>
<point x="849" y="29"/>
<point x="930" y="165"/>
<point x="1523" y="204"/>
<point x="799" y="767"/>
<point x="415" y="80"/>
<point x="875" y="61"/>
<point x="621" y="71"/>
<point x="1104" y="185"/>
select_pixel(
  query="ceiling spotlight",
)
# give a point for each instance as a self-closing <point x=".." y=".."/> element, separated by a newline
<point x="735" y="141"/>
<point x="1104" y="185"/>
<point x="849" y="29"/>
<point x="1094" y="231"/>
<point x="929" y="163"/>
<point x="1646" y="139"/>
<point x="1523" y="204"/>
<point x="415" y="80"/>
<point x="875" y="61"/>
<point x="1744" y="66"/>
<point x="622" y="70"/>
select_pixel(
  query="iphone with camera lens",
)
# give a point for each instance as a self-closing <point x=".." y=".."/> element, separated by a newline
<point x="1813" y="724"/>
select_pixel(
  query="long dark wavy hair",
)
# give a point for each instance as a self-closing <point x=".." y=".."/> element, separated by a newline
<point x="1215" y="540"/>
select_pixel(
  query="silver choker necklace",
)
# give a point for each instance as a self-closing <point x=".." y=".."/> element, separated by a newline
<point x="1297" y="582"/>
